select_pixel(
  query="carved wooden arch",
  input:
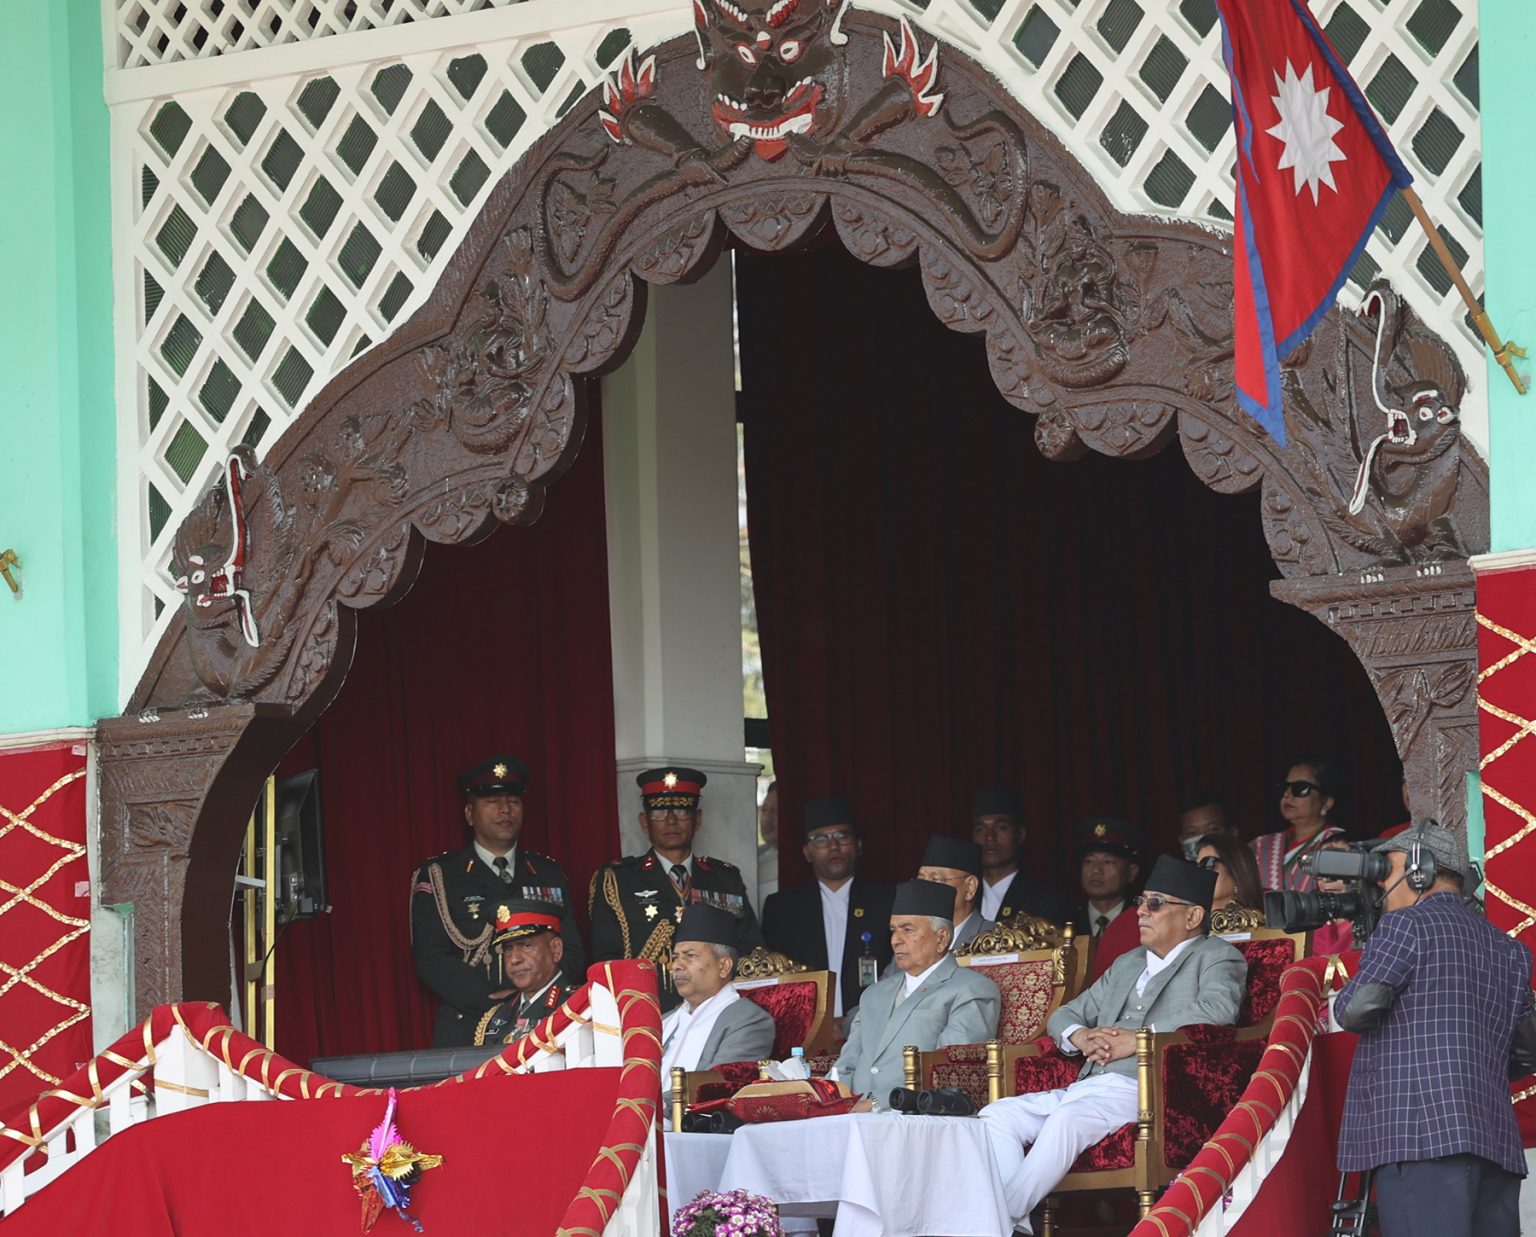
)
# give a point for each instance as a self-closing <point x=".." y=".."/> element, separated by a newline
<point x="1113" y="331"/>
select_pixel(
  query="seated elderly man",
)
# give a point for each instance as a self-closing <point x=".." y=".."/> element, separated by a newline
<point x="1176" y="977"/>
<point x="528" y="935"/>
<point x="714" y="1024"/>
<point x="927" y="1000"/>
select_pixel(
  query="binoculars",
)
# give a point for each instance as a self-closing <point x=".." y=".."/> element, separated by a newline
<point x="716" y="1121"/>
<point x="937" y="1102"/>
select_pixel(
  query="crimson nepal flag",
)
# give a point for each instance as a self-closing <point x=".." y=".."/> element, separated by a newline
<point x="1314" y="173"/>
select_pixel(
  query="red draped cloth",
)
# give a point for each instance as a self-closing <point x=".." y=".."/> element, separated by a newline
<point x="45" y="909"/>
<point x="257" y="1169"/>
<point x="501" y="647"/>
<point x="941" y="608"/>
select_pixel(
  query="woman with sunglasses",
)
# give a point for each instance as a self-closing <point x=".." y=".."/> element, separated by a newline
<point x="1237" y="875"/>
<point x="1307" y="795"/>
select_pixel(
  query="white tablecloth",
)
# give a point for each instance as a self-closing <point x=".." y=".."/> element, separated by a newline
<point x="694" y="1163"/>
<point x="881" y="1173"/>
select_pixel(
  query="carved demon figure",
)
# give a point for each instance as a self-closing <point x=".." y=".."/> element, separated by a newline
<point x="208" y="562"/>
<point x="1079" y="307"/>
<point x="1389" y="486"/>
<point x="776" y="70"/>
<point x="1412" y="464"/>
<point x="778" y="81"/>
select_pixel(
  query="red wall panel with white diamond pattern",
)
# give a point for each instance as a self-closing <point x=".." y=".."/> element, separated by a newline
<point x="45" y="951"/>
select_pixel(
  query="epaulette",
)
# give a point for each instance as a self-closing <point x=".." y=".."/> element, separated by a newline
<point x="625" y="860"/>
<point x="708" y="864"/>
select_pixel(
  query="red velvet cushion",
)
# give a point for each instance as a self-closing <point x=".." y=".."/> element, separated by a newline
<point x="737" y="1075"/>
<point x="822" y="1062"/>
<point x="1027" y="988"/>
<point x="793" y="1007"/>
<point x="1201" y="1083"/>
<point x="1266" y="960"/>
<point x="1047" y="1072"/>
<point x="1117" y="1150"/>
<point x="963" y="1066"/>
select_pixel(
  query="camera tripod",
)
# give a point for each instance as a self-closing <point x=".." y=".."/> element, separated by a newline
<point x="1353" y="1213"/>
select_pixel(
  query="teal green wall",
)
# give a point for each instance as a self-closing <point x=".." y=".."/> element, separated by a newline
<point x="57" y="425"/>
<point x="1509" y="220"/>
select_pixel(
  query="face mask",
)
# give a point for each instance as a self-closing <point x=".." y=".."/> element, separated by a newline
<point x="1191" y="847"/>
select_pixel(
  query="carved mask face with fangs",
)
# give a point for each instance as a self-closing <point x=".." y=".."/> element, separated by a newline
<point x="776" y="68"/>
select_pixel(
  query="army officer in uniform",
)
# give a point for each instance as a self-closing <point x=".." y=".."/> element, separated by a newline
<point x="528" y="938"/>
<point x="454" y="899"/>
<point x="636" y="902"/>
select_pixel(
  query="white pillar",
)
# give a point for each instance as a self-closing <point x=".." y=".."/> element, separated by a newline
<point x="674" y="587"/>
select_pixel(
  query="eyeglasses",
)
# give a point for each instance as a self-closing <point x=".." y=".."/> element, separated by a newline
<point x="833" y="837"/>
<point x="1211" y="862"/>
<point x="1155" y="902"/>
<point x="1298" y="790"/>
<point x="658" y="815"/>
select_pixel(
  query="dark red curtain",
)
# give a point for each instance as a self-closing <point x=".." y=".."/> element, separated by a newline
<point x="500" y="647"/>
<point x="941" y="608"/>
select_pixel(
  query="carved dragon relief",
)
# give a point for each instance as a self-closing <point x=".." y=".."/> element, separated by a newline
<point x="779" y="94"/>
<point x="775" y="121"/>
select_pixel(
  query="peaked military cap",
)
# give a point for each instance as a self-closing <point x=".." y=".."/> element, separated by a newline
<point x="824" y="813"/>
<point x="500" y="775"/>
<point x="957" y="853"/>
<point x="670" y="786"/>
<point x="519" y="919"/>
<point x="1108" y="833"/>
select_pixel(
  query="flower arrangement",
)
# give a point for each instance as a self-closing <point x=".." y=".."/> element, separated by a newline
<point x="737" y="1214"/>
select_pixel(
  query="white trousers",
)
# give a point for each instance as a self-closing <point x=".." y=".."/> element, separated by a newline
<point x="1057" y="1127"/>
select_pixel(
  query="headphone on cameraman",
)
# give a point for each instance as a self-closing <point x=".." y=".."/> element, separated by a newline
<point x="1420" y="871"/>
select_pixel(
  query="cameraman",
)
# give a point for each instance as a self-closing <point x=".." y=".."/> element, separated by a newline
<point x="1437" y="1002"/>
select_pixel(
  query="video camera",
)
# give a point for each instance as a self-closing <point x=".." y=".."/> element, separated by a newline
<point x="1361" y="904"/>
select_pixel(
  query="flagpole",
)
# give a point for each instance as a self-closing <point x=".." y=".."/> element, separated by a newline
<point x="1503" y="353"/>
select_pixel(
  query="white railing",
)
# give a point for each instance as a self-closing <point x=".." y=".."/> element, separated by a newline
<point x="192" y="1068"/>
<point x="1245" y="1187"/>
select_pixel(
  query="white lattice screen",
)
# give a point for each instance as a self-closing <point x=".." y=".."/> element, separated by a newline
<point x="273" y="219"/>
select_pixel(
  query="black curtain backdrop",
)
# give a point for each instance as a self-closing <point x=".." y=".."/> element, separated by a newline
<point x="941" y="608"/>
<point x="501" y="647"/>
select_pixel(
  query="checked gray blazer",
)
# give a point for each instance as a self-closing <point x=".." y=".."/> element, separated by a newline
<point x="954" y="1005"/>
<point x="1430" y="1079"/>
<point x="1203" y="984"/>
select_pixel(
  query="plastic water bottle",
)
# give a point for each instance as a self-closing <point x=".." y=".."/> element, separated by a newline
<point x="798" y="1066"/>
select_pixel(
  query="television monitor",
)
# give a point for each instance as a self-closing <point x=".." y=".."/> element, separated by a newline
<point x="300" y="848"/>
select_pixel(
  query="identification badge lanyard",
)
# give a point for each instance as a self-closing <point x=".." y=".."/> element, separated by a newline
<point x="869" y="967"/>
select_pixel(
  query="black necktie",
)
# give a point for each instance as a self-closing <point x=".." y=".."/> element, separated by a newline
<point x="679" y="876"/>
<point x="503" y="870"/>
<point x="1100" y="924"/>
